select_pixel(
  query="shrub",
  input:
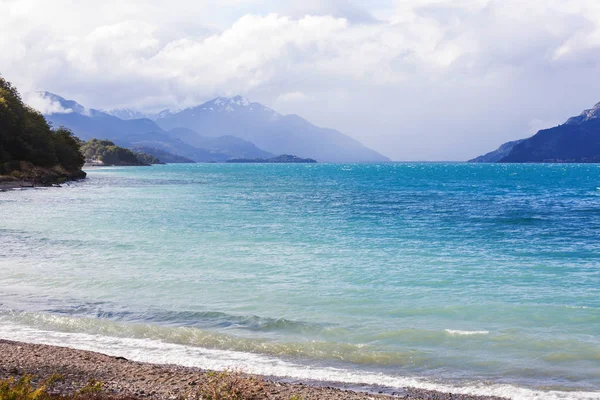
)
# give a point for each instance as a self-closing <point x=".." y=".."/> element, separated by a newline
<point x="22" y="389"/>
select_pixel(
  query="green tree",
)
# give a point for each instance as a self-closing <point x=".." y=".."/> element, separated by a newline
<point x="26" y="138"/>
<point x="67" y="148"/>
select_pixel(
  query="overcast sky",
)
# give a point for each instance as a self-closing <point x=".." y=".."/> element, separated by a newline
<point x="413" y="79"/>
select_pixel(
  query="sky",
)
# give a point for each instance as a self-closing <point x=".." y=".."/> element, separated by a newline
<point x="414" y="79"/>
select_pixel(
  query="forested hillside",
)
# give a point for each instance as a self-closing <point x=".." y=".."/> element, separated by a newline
<point x="107" y="153"/>
<point x="29" y="148"/>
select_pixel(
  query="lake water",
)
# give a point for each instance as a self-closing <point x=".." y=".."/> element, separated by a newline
<point x="478" y="279"/>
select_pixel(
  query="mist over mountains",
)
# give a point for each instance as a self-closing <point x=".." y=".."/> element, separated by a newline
<point x="215" y="131"/>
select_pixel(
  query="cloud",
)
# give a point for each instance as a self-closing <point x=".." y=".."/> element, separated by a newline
<point x="416" y="79"/>
<point x="336" y="8"/>
<point x="292" y="97"/>
<point x="44" y="104"/>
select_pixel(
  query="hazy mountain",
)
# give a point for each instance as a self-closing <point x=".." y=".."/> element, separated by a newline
<point x="164" y="142"/>
<point x="269" y="130"/>
<point x="163" y="156"/>
<point x="232" y="146"/>
<point x="219" y="129"/>
<point x="498" y="154"/>
<point x="577" y="140"/>
<point x="90" y="123"/>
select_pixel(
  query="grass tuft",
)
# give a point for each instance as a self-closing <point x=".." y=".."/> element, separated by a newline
<point x="231" y="385"/>
<point x="24" y="389"/>
<point x="93" y="387"/>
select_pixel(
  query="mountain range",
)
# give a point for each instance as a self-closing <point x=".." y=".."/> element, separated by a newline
<point x="215" y="131"/>
<point x="577" y="140"/>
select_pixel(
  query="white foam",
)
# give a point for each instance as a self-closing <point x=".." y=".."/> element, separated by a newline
<point x="465" y="333"/>
<point x="151" y="351"/>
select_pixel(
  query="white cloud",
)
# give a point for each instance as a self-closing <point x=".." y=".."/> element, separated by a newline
<point x="418" y="79"/>
<point x="292" y="97"/>
<point x="44" y="104"/>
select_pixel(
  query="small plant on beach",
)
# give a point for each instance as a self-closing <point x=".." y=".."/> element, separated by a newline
<point x="231" y="385"/>
<point x="296" y="397"/>
<point x="22" y="389"/>
<point x="54" y="378"/>
<point x="93" y="387"/>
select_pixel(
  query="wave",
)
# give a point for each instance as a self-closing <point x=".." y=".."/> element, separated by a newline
<point x="201" y="319"/>
<point x="359" y="354"/>
<point x="154" y="351"/>
<point x="465" y="333"/>
<point x="577" y="307"/>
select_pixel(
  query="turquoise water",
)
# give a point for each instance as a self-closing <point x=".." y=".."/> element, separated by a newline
<point x="478" y="278"/>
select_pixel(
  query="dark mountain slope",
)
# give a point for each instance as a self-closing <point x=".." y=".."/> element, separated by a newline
<point x="498" y="154"/>
<point x="577" y="140"/>
<point x="564" y="143"/>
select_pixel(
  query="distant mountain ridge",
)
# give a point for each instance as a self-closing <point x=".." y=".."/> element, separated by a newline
<point x="143" y="132"/>
<point x="575" y="141"/>
<point x="126" y="114"/>
<point x="217" y="130"/>
<point x="163" y="156"/>
<point x="269" y="130"/>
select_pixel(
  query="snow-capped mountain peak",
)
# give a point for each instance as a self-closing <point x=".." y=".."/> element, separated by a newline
<point x="226" y="104"/>
<point x="126" y="113"/>
<point x="587" y="115"/>
<point x="240" y="101"/>
<point x="161" y="114"/>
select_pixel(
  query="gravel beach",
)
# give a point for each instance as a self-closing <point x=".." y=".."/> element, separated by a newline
<point x="142" y="380"/>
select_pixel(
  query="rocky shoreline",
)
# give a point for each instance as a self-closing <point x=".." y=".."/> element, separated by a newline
<point x="27" y="184"/>
<point x="122" y="377"/>
<point x="30" y="176"/>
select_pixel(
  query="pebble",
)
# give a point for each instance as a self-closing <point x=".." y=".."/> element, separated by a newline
<point x="125" y="377"/>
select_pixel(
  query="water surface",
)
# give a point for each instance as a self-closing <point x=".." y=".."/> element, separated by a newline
<point x="478" y="278"/>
